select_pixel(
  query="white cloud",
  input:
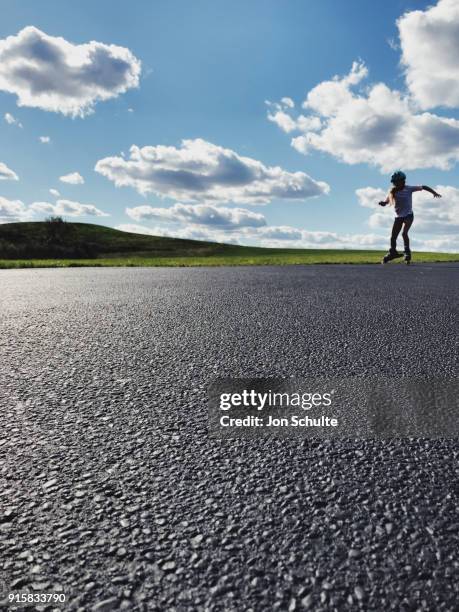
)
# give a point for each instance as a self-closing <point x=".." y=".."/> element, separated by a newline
<point x="52" y="74"/>
<point x="288" y="102"/>
<point x="45" y="139"/>
<point x="432" y="216"/>
<point x="377" y="126"/>
<point x="439" y="244"/>
<point x="308" y="124"/>
<point x="67" y="208"/>
<point x="200" y="171"/>
<point x="6" y="174"/>
<point x="280" y="233"/>
<point x="272" y="236"/>
<point x="283" y="120"/>
<point x="279" y="114"/>
<point x="292" y="237"/>
<point x="328" y="97"/>
<point x="44" y="207"/>
<point x="285" y="236"/>
<point x="12" y="210"/>
<point x="200" y="214"/>
<point x="190" y="232"/>
<point x="370" y="196"/>
<point x="436" y="226"/>
<point x="429" y="43"/>
<point x="74" y="178"/>
<point x="15" y="210"/>
<point x="54" y="192"/>
<point x="11" y="120"/>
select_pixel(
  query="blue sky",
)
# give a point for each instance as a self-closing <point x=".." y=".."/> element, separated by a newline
<point x="205" y="70"/>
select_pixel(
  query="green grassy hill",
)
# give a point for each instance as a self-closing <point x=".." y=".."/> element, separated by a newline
<point x="44" y="244"/>
<point x="100" y="241"/>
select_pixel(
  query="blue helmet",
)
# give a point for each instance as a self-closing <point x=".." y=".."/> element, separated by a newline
<point x="398" y="177"/>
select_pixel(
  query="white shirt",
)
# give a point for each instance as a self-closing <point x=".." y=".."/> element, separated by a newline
<point x="404" y="200"/>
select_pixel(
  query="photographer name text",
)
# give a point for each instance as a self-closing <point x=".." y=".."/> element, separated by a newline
<point x="291" y="421"/>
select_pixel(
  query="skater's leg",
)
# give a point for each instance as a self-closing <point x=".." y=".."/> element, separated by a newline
<point x="392" y="254"/>
<point x="395" y="232"/>
<point x="407" y="222"/>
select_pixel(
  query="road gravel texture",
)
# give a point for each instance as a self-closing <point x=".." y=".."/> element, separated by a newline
<point x="113" y="493"/>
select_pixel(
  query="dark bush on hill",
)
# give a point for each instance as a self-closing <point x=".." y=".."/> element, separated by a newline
<point x="56" y="239"/>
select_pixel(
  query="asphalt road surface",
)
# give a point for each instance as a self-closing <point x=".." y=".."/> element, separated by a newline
<point x="113" y="494"/>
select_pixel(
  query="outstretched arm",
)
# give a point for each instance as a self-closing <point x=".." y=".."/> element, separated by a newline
<point x="432" y="191"/>
<point x="384" y="202"/>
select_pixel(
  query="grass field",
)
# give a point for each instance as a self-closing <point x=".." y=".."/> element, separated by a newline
<point x="110" y="247"/>
<point x="274" y="257"/>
